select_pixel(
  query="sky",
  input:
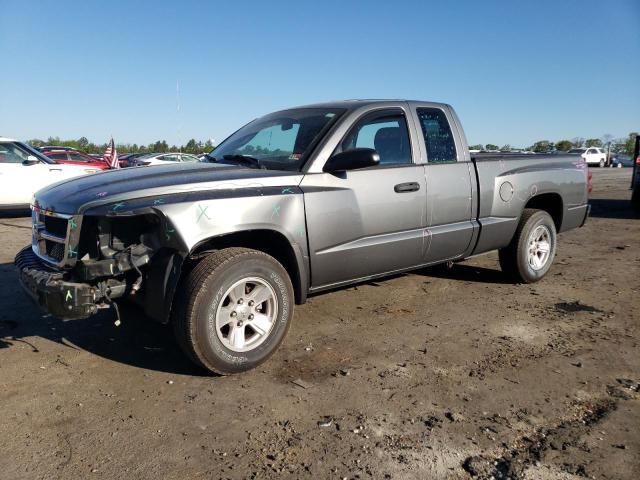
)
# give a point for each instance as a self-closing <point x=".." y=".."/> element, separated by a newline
<point x="515" y="71"/>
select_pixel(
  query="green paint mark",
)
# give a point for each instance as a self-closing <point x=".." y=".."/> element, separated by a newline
<point x="203" y="211"/>
<point x="287" y="190"/>
<point x="68" y="296"/>
<point x="72" y="252"/>
<point x="275" y="212"/>
<point x="117" y="206"/>
<point x="73" y="224"/>
<point x="158" y="201"/>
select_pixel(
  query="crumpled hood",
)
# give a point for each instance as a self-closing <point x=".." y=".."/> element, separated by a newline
<point x="75" y="195"/>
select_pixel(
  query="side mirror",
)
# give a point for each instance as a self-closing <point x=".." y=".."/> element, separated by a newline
<point x="31" y="160"/>
<point x="352" y="160"/>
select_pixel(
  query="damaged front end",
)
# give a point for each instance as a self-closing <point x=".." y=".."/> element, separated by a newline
<point x="78" y="264"/>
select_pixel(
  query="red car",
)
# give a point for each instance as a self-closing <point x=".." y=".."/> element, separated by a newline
<point x="74" y="157"/>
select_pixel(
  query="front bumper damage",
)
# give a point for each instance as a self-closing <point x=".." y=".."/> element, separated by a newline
<point x="55" y="294"/>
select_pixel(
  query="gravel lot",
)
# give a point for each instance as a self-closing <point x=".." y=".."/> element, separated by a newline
<point x="436" y="374"/>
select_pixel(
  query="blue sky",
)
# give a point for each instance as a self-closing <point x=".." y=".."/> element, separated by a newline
<point x="515" y="71"/>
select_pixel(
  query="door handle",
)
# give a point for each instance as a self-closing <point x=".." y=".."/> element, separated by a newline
<point x="407" y="187"/>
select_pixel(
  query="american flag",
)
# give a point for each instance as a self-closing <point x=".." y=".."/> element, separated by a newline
<point x="111" y="155"/>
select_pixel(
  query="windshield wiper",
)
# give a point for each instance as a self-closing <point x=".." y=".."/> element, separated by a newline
<point x="244" y="160"/>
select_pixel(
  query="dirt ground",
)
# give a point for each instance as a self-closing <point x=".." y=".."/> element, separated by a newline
<point x="435" y="374"/>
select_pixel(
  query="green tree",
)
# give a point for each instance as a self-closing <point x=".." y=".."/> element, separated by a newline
<point x="191" y="146"/>
<point x="564" y="145"/>
<point x="542" y="146"/>
<point x="593" y="142"/>
<point x="476" y="147"/>
<point x="159" y="146"/>
<point x="36" y="142"/>
<point x="630" y="144"/>
<point x="491" y="146"/>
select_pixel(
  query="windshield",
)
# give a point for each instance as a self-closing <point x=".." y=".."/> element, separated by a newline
<point x="577" y="150"/>
<point x="278" y="141"/>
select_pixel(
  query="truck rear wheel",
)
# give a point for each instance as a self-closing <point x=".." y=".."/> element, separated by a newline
<point x="233" y="310"/>
<point x="530" y="254"/>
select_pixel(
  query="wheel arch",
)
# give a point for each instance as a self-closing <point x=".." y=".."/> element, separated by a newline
<point x="271" y="242"/>
<point x="550" y="202"/>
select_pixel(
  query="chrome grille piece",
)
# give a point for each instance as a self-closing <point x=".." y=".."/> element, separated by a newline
<point x="51" y="237"/>
<point x="55" y="225"/>
<point x="54" y="250"/>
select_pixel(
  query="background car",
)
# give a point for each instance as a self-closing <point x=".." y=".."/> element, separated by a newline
<point x="24" y="170"/>
<point x="620" y="160"/>
<point x="591" y="155"/>
<point x="128" y="159"/>
<point x="73" y="157"/>
<point x="165" y="158"/>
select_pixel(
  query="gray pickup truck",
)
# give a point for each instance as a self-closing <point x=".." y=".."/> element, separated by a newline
<point x="296" y="202"/>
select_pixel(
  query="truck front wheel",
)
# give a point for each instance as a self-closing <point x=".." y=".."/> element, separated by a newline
<point x="530" y="254"/>
<point x="233" y="310"/>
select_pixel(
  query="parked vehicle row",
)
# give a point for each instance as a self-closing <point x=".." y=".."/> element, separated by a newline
<point x="163" y="159"/>
<point x="73" y="157"/>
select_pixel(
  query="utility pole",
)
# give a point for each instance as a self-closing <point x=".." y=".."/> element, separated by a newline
<point x="635" y="178"/>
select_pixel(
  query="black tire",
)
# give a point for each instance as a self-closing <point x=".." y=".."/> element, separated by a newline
<point x="201" y="292"/>
<point x="514" y="259"/>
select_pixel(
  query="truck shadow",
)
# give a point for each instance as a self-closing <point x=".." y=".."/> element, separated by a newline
<point x="138" y="341"/>
<point x="612" y="208"/>
<point x="465" y="273"/>
<point x="15" y="213"/>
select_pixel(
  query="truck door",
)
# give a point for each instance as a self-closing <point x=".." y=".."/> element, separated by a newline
<point x="368" y="221"/>
<point x="450" y="226"/>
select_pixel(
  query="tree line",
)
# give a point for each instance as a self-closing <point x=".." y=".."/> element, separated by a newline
<point x="618" y="145"/>
<point x="192" y="146"/>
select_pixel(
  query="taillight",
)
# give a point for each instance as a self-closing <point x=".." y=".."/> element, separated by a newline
<point x="638" y="160"/>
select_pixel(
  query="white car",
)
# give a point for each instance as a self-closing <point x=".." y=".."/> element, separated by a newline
<point x="165" y="158"/>
<point x="592" y="155"/>
<point x="24" y="170"/>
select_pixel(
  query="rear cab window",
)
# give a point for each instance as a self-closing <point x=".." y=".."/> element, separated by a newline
<point x="438" y="137"/>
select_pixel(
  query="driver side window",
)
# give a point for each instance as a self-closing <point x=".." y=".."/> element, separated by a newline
<point x="386" y="133"/>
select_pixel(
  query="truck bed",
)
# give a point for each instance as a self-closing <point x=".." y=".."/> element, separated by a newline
<point x="507" y="183"/>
